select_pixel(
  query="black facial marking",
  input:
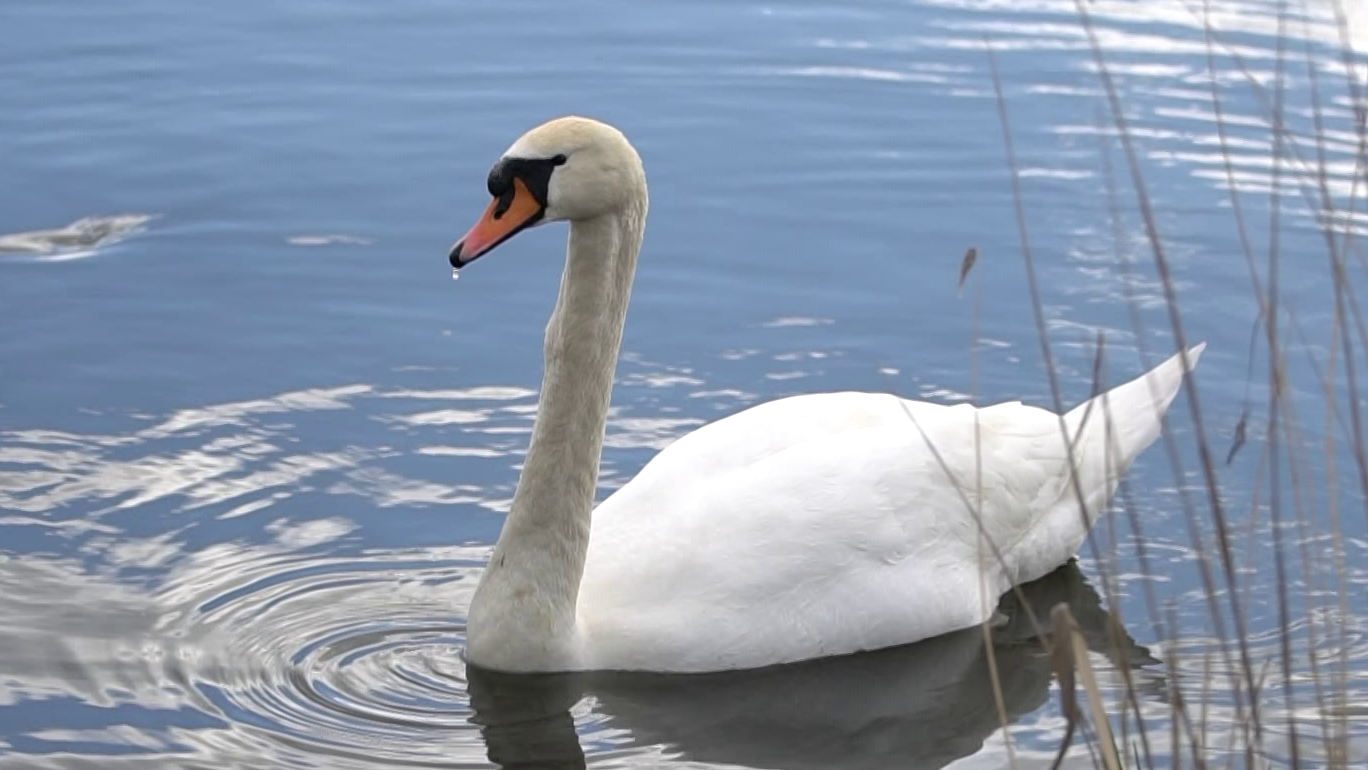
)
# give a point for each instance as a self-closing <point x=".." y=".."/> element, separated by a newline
<point x="505" y="200"/>
<point x="534" y="172"/>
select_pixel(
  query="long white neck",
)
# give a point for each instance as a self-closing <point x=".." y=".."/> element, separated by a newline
<point x="523" y="613"/>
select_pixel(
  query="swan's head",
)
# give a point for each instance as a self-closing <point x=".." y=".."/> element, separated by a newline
<point x="569" y="168"/>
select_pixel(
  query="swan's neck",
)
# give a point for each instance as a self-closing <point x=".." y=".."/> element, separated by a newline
<point x="523" y="613"/>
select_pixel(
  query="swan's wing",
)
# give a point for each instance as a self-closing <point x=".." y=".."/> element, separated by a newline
<point x="768" y="537"/>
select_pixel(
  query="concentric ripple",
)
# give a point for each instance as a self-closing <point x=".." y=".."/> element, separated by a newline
<point x="357" y="660"/>
<point x="259" y="656"/>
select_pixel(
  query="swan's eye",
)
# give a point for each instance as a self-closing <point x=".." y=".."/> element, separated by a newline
<point x="500" y="178"/>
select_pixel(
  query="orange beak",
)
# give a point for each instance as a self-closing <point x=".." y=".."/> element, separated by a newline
<point x="506" y="216"/>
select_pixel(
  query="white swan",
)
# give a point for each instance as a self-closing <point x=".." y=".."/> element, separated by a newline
<point x="809" y="526"/>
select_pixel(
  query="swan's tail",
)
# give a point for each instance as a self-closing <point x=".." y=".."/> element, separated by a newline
<point x="1110" y="430"/>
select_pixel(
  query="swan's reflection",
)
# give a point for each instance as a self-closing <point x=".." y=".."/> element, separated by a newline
<point x="919" y="706"/>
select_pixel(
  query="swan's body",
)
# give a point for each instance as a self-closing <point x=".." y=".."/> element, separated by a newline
<point x="805" y="527"/>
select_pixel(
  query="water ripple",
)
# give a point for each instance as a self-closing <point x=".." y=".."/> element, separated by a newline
<point x="79" y="239"/>
<point x="255" y="654"/>
<point x="355" y="660"/>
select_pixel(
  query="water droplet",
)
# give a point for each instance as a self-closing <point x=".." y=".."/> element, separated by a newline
<point x="455" y="273"/>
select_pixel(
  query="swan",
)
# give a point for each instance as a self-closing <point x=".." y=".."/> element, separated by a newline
<point x="805" y="527"/>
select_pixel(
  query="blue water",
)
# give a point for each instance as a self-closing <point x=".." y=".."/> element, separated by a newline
<point x="254" y="451"/>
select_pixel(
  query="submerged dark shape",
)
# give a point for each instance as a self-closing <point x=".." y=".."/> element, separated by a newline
<point x="967" y="264"/>
<point x="919" y="706"/>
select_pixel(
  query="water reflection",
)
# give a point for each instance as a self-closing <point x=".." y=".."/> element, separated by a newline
<point x="1157" y="54"/>
<point x="919" y="706"/>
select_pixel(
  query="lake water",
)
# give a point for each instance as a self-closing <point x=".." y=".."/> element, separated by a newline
<point x="255" y="448"/>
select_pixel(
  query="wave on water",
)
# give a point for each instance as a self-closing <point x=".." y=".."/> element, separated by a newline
<point x="79" y="239"/>
<point x="329" y="240"/>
